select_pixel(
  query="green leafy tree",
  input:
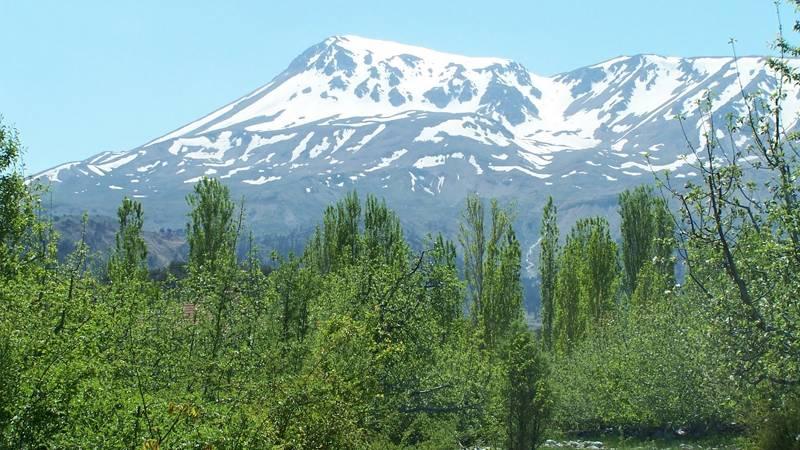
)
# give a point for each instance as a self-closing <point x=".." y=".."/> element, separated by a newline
<point x="335" y="243"/>
<point x="587" y="283"/>
<point x="740" y="228"/>
<point x="129" y="257"/>
<point x="295" y="288"/>
<point x="650" y="367"/>
<point x="502" y="303"/>
<point x="568" y="313"/>
<point x="444" y="285"/>
<point x="492" y="268"/>
<point x="212" y="229"/>
<point x="600" y="270"/>
<point x="212" y="233"/>
<point x="18" y="204"/>
<point x="647" y="234"/>
<point x="548" y="268"/>
<point x="383" y="234"/>
<point x="528" y="398"/>
<point x="472" y="237"/>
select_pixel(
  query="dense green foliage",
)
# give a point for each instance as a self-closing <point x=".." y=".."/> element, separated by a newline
<point x="647" y="235"/>
<point x="361" y="341"/>
<point x="586" y="286"/>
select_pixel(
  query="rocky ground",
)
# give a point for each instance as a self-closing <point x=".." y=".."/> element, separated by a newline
<point x="613" y="444"/>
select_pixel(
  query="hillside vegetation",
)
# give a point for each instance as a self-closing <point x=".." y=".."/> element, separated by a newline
<point x="360" y="341"/>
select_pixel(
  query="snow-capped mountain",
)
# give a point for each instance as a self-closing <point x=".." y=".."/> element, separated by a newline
<point x="422" y="129"/>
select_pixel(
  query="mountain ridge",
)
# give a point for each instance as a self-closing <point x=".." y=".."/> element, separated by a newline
<point x="423" y="130"/>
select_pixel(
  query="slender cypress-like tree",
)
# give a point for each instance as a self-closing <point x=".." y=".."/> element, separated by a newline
<point x="129" y="259"/>
<point x="548" y="268"/>
<point x="647" y="234"/>
<point x="601" y="269"/>
<point x="587" y="282"/>
<point x="211" y="229"/>
<point x="492" y="268"/>
<point x="472" y="238"/>
<point x="567" y="315"/>
<point x="502" y="302"/>
<point x="336" y="241"/>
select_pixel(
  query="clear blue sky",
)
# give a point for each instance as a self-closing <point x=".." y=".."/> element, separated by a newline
<point x="80" y="77"/>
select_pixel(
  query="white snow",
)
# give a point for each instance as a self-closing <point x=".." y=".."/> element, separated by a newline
<point x="682" y="160"/>
<point x="148" y="167"/>
<point x="115" y="163"/>
<point x="386" y="162"/>
<point x="233" y="172"/>
<point x="386" y="50"/>
<point x="267" y="159"/>
<point x="95" y="170"/>
<point x="430" y="161"/>
<point x="319" y="148"/>
<point x="52" y="174"/>
<point x="524" y="170"/>
<point x="194" y="125"/>
<point x="301" y="147"/>
<point x="308" y="96"/>
<point x="261" y="180"/>
<point x="639" y="94"/>
<point x="257" y="141"/>
<point x="478" y="169"/>
<point x="206" y="147"/>
<point x="413" y="182"/>
<point x="468" y="128"/>
<point x="341" y="137"/>
<point x="367" y="138"/>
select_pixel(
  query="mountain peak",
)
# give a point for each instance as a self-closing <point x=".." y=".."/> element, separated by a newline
<point x="384" y="51"/>
<point x="353" y="76"/>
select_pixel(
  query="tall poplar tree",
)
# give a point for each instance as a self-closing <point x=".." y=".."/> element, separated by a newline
<point x="647" y="234"/>
<point x="472" y="237"/>
<point x="548" y="268"/>
<point x="587" y="282"/>
<point x="211" y="230"/>
<point x="129" y="257"/>
<point x="492" y="268"/>
<point x="567" y="312"/>
<point x="502" y="302"/>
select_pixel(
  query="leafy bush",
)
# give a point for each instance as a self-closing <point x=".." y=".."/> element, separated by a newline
<point x="649" y="367"/>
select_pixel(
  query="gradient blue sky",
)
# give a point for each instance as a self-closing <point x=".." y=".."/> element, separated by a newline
<point x="81" y="77"/>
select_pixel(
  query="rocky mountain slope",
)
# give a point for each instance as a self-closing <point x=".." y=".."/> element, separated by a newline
<point x="422" y="129"/>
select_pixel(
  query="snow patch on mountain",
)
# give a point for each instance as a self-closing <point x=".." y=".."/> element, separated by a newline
<point x="386" y="162"/>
